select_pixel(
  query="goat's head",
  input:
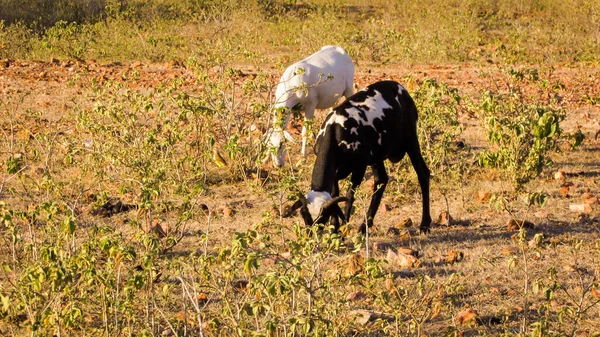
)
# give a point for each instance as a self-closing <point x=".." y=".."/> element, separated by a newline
<point x="317" y="207"/>
<point x="275" y="145"/>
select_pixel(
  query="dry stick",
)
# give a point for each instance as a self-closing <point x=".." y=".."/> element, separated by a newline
<point x="194" y="303"/>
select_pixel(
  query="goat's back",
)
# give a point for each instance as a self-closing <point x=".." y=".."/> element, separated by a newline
<point x="324" y="77"/>
<point x="376" y="123"/>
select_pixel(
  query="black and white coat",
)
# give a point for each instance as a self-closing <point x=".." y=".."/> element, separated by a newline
<point x="377" y="123"/>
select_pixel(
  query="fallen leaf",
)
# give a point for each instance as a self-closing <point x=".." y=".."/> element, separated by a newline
<point x="202" y="297"/>
<point x="513" y="224"/>
<point x="589" y="198"/>
<point x="354" y="265"/>
<point x="408" y="251"/>
<point x="453" y="256"/>
<point x="467" y="317"/>
<point x="227" y="212"/>
<point x="445" y="218"/>
<point x="509" y="251"/>
<point x="405" y="223"/>
<point x="564" y="191"/>
<point x="559" y="175"/>
<point x="483" y="197"/>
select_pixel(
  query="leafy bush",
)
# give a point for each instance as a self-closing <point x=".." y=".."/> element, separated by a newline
<point x="522" y="135"/>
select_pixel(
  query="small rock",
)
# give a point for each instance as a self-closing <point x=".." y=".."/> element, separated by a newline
<point x="361" y="317"/>
<point x="384" y="208"/>
<point x="582" y="208"/>
<point x="408" y="251"/>
<point x="356" y="296"/>
<point x="559" y="175"/>
<point x="381" y="246"/>
<point x="402" y="260"/>
<point x="453" y="256"/>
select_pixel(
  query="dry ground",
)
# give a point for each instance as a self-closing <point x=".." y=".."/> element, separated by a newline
<point x="480" y="232"/>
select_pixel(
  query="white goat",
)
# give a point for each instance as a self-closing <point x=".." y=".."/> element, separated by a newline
<point x="317" y="82"/>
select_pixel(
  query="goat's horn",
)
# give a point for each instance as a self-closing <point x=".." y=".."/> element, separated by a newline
<point x="301" y="203"/>
<point x="288" y="211"/>
<point x="332" y="202"/>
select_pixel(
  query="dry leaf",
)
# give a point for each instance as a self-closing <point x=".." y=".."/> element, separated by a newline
<point x="589" y="198"/>
<point x="227" y="212"/>
<point x="202" y="297"/>
<point x="405" y="223"/>
<point x="408" y="251"/>
<point x="513" y="224"/>
<point x="509" y="251"/>
<point x="354" y="265"/>
<point x="483" y="197"/>
<point x="453" y="256"/>
<point x="467" y="317"/>
<point x="564" y="191"/>
<point x="595" y="293"/>
<point x="445" y="218"/>
<point x="389" y="284"/>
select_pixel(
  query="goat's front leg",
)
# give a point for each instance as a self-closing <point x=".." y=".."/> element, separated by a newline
<point x="358" y="174"/>
<point x="309" y="113"/>
<point x="381" y="179"/>
<point x="423" y="173"/>
<point x="334" y="220"/>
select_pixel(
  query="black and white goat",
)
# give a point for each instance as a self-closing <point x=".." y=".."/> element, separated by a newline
<point x="316" y="82"/>
<point x="375" y="124"/>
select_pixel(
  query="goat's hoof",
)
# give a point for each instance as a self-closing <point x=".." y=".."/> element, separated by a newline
<point x="425" y="229"/>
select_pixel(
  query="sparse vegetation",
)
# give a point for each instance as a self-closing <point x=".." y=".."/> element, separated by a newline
<point x="133" y="200"/>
